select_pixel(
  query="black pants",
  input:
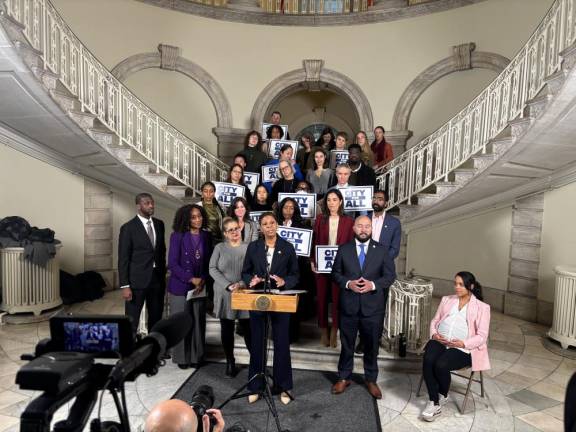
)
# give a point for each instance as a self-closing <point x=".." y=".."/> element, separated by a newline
<point x="153" y="295"/>
<point x="227" y="335"/>
<point x="282" y="369"/>
<point x="438" y="362"/>
<point x="370" y="329"/>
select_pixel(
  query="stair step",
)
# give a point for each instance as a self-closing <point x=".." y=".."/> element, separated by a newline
<point x="177" y="191"/>
<point x="445" y="188"/>
<point x="104" y="137"/>
<point x="140" y="166"/>
<point x="537" y="105"/>
<point x="30" y="56"/>
<point x="427" y="199"/>
<point x="569" y="57"/>
<point x="520" y="125"/>
<point x="83" y="119"/>
<point x="463" y="175"/>
<point x="157" y="179"/>
<point x="480" y="162"/>
<point x="121" y="152"/>
<point x="555" y="81"/>
<point x="66" y="101"/>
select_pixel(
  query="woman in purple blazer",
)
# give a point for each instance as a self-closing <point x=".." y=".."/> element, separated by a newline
<point x="188" y="260"/>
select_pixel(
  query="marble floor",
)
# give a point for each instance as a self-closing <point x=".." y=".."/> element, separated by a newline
<point x="524" y="390"/>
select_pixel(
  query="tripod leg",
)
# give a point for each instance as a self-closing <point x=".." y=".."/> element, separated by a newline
<point x="272" y="406"/>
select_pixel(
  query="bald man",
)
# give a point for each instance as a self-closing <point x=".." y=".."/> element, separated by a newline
<point x="177" y="416"/>
<point x="364" y="271"/>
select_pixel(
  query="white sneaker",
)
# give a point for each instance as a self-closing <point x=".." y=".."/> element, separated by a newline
<point x="431" y="412"/>
<point x="443" y="400"/>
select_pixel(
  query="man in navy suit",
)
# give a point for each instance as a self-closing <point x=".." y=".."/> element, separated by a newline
<point x="142" y="263"/>
<point x="364" y="271"/>
<point x="386" y="230"/>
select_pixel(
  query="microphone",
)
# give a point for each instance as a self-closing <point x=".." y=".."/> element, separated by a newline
<point x="146" y="357"/>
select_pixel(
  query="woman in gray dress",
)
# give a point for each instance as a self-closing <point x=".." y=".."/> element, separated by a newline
<point x="226" y="270"/>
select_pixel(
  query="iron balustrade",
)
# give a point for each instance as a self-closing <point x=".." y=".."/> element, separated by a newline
<point x="101" y="94"/>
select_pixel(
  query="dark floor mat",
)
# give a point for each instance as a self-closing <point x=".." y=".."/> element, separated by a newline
<point x="314" y="409"/>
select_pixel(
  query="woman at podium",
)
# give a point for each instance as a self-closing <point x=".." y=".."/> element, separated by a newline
<point x="270" y="263"/>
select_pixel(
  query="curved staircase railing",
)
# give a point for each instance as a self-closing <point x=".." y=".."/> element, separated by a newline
<point x="470" y="131"/>
<point x="115" y="106"/>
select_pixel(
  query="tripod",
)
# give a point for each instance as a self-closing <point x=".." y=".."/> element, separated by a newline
<point x="266" y="392"/>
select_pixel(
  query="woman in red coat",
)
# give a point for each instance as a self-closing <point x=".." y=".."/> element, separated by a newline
<point x="332" y="228"/>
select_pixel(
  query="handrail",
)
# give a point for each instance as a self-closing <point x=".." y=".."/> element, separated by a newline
<point x="101" y="94"/>
<point x="469" y="131"/>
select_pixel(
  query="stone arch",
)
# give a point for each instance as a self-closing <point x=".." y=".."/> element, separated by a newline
<point x="169" y="58"/>
<point x="312" y="76"/>
<point x="464" y="58"/>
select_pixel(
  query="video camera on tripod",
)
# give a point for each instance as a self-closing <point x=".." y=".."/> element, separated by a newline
<point x="64" y="367"/>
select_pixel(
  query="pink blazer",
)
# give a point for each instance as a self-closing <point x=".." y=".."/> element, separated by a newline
<point x="478" y="317"/>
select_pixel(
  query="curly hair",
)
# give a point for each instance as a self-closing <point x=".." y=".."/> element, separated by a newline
<point x="182" y="218"/>
<point x="247" y="139"/>
<point x="296" y="218"/>
<point x="271" y="128"/>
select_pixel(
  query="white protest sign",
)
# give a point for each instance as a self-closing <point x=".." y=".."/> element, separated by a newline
<point x="251" y="180"/>
<point x="301" y="239"/>
<point x="325" y="256"/>
<point x="269" y="173"/>
<point x="306" y="203"/>
<point x="338" y="157"/>
<point x="255" y="216"/>
<point x="226" y="192"/>
<point x="274" y="147"/>
<point x="357" y="197"/>
<point x="265" y="127"/>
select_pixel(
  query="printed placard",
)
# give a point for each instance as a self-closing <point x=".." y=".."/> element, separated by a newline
<point x="338" y="157"/>
<point x="325" y="256"/>
<point x="226" y="192"/>
<point x="269" y="173"/>
<point x="265" y="127"/>
<point x="357" y="197"/>
<point x="275" y="145"/>
<point x="251" y="180"/>
<point x="255" y="216"/>
<point x="306" y="203"/>
<point x="300" y="238"/>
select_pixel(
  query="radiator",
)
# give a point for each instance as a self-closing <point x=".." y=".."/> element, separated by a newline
<point x="409" y="311"/>
<point x="27" y="287"/>
<point x="564" y="322"/>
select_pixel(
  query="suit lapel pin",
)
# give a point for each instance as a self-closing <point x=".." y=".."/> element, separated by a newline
<point x="279" y="252"/>
<point x="385" y="226"/>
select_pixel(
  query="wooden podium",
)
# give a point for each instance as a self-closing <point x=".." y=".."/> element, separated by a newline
<point x="264" y="302"/>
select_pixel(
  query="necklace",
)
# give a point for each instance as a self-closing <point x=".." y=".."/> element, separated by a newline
<point x="196" y="245"/>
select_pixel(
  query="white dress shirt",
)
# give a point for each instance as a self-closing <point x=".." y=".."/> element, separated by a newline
<point x="455" y="325"/>
<point x="145" y="223"/>
<point x="366" y="247"/>
<point x="377" y="225"/>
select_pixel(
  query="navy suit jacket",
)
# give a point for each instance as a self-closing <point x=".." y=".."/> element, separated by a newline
<point x="390" y="235"/>
<point x="284" y="263"/>
<point x="378" y="268"/>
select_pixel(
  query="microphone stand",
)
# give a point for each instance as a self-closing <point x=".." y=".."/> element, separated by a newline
<point x="266" y="392"/>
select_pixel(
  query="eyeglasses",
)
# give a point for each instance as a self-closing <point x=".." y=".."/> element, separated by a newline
<point x="285" y="167"/>
<point x="232" y="230"/>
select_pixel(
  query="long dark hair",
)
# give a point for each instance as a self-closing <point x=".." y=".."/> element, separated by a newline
<point x="314" y="164"/>
<point x="255" y="196"/>
<point x="320" y="141"/>
<point x="214" y="200"/>
<point x="325" y="210"/>
<point x="232" y="207"/>
<point x="471" y="284"/>
<point x="296" y="218"/>
<point x="181" y="222"/>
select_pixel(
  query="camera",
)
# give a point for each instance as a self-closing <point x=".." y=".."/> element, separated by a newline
<point x="64" y="367"/>
<point x="202" y="400"/>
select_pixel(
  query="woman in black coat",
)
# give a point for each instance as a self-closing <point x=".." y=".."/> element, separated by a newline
<point x="279" y="256"/>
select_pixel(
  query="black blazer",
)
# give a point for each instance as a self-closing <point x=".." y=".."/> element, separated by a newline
<point x="136" y="256"/>
<point x="378" y="268"/>
<point x="284" y="263"/>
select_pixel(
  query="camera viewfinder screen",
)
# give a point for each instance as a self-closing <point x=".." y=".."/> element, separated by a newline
<point x="91" y="337"/>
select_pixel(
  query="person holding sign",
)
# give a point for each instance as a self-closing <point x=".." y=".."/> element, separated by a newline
<point x="253" y="153"/>
<point x="286" y="182"/>
<point x="275" y="257"/>
<point x="364" y="272"/>
<point x="188" y="258"/>
<point x="332" y="227"/>
<point x="236" y="176"/>
<point x="286" y="153"/>
<point x="240" y="212"/>
<point x="321" y="176"/>
<point x="226" y="270"/>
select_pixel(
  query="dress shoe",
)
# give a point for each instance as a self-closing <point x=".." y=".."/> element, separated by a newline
<point x="340" y="386"/>
<point x="334" y="337"/>
<point x="286" y="397"/>
<point x="374" y="390"/>
<point x="183" y="365"/>
<point x="231" y="369"/>
<point x="325" y="337"/>
<point x="253" y="398"/>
